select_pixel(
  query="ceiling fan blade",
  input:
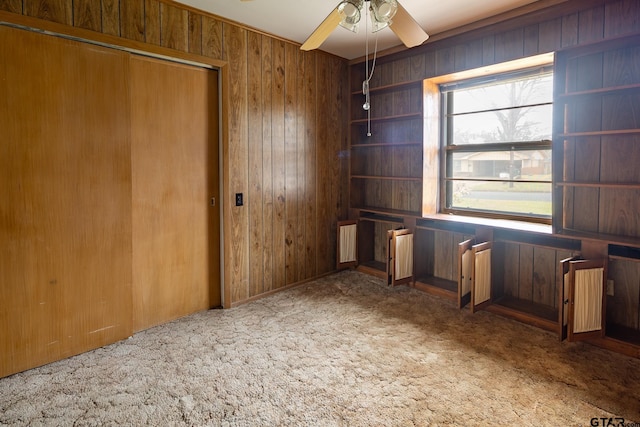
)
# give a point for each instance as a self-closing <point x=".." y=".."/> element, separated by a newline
<point x="407" y="29"/>
<point x="323" y="31"/>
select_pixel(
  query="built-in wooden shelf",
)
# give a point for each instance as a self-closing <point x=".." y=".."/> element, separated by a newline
<point x="571" y="96"/>
<point x="388" y="178"/>
<point x="600" y="133"/>
<point x="386" y="144"/>
<point x="407" y="116"/>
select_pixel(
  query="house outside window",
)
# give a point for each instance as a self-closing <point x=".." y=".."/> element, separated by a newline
<point x="496" y="144"/>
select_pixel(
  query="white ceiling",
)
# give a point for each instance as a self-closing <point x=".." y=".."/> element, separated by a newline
<point x="295" y="20"/>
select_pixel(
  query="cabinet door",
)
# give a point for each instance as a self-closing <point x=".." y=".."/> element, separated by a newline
<point x="347" y="254"/>
<point x="400" y="254"/>
<point x="586" y="282"/>
<point x="465" y="257"/>
<point x="480" y="276"/>
<point x="563" y="307"/>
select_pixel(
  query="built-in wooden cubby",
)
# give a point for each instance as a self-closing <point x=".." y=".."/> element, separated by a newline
<point x="436" y="256"/>
<point x="623" y="295"/>
<point x="373" y="241"/>
<point x="526" y="273"/>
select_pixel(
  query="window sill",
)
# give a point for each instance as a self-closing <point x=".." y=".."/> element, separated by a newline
<point x="494" y="223"/>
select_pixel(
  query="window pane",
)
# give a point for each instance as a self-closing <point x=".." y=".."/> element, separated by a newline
<point x="528" y="165"/>
<point x="532" y="90"/>
<point x="513" y="125"/>
<point x="530" y="199"/>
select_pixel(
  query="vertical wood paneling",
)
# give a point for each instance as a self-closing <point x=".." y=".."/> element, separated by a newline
<point x="525" y="289"/>
<point x="195" y="33"/>
<point x="132" y="19"/>
<point x="511" y="269"/>
<point x="570" y="30"/>
<point x="509" y="45"/>
<point x="279" y="165"/>
<point x="445" y="61"/>
<point x="622" y="17"/>
<point x="86" y="14"/>
<point x="111" y="17"/>
<point x="152" y="21"/>
<point x="311" y="114"/>
<point x="591" y="25"/>
<point x="531" y="39"/>
<point x="544" y="276"/>
<point x="255" y="193"/>
<point x="550" y="35"/>
<point x="291" y="162"/>
<point x="488" y="50"/>
<point x="13" y="6"/>
<point x="623" y="308"/>
<point x="60" y="11"/>
<point x="236" y="230"/>
<point x="267" y="164"/>
<point x="174" y="27"/>
<point x="474" y="53"/>
<point x="301" y="185"/>
<point x="322" y="166"/>
<point x="211" y="37"/>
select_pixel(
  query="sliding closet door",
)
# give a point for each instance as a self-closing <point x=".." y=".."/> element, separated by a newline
<point x="65" y="191"/>
<point x="174" y="158"/>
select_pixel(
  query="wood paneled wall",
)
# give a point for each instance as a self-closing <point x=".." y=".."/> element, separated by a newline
<point x="286" y="149"/>
<point x="573" y="23"/>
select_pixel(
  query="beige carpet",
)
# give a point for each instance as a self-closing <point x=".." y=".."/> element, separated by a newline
<point x="344" y="350"/>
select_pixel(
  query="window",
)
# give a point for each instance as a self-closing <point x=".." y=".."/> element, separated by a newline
<point x="496" y="144"/>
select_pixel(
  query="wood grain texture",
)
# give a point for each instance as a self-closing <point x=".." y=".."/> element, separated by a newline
<point x="255" y="153"/>
<point x="525" y="289"/>
<point x="211" y="37"/>
<point x="65" y="182"/>
<point x="152" y="25"/>
<point x="174" y="27"/>
<point x="623" y="308"/>
<point x="13" y="6"/>
<point x="279" y="165"/>
<point x="591" y="25"/>
<point x="511" y="269"/>
<point x="195" y="33"/>
<point x="621" y="17"/>
<point x="267" y="162"/>
<point x="110" y="17"/>
<point x="172" y="175"/>
<point x="132" y="22"/>
<point x="292" y="216"/>
<point x="310" y="167"/>
<point x="87" y="14"/>
<point x="544" y="276"/>
<point x="236" y="228"/>
<point x="509" y="45"/>
<point x="60" y="11"/>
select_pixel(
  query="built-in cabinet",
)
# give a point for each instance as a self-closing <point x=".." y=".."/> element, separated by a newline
<point x="578" y="277"/>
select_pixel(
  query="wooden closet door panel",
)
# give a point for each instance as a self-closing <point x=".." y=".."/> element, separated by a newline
<point x="65" y="186"/>
<point x="175" y="168"/>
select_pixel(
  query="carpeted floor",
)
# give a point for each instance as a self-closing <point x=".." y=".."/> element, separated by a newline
<point x="344" y="350"/>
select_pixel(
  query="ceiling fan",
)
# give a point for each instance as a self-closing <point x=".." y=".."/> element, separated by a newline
<point x="384" y="13"/>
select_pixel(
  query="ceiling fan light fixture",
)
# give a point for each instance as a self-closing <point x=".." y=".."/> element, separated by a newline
<point x="349" y="11"/>
<point x="382" y="11"/>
